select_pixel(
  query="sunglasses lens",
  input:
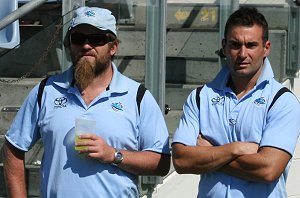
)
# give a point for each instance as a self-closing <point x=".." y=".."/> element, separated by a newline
<point x="97" y="39"/>
<point x="77" y="39"/>
<point x="93" y="39"/>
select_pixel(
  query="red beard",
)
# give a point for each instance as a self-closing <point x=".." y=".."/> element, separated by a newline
<point x="84" y="73"/>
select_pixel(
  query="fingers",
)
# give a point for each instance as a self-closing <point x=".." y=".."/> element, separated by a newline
<point x="92" y="145"/>
<point x="244" y="148"/>
<point x="89" y="140"/>
<point x="89" y="136"/>
<point x="95" y="147"/>
<point x="91" y="151"/>
<point x="88" y="143"/>
<point x="202" y="141"/>
<point x="83" y="149"/>
<point x="104" y="154"/>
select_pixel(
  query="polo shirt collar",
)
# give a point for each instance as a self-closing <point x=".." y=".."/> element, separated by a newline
<point x="65" y="79"/>
<point x="267" y="72"/>
<point x="118" y="83"/>
<point x="220" y="81"/>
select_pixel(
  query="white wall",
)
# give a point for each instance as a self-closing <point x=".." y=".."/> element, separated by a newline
<point x="177" y="186"/>
<point x="293" y="182"/>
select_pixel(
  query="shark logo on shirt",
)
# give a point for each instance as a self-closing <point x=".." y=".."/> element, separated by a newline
<point x="260" y="101"/>
<point x="117" y="106"/>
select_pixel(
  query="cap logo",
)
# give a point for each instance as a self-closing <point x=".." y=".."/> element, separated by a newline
<point x="90" y="13"/>
<point x="98" y="17"/>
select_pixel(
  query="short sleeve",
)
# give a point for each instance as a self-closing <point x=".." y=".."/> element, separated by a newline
<point x="283" y="124"/>
<point x="23" y="132"/>
<point x="153" y="133"/>
<point x="188" y="129"/>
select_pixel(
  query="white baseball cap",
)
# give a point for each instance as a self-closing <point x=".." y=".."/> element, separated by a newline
<point x="98" y="17"/>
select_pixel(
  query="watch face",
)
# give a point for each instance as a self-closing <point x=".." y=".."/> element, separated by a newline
<point x="118" y="157"/>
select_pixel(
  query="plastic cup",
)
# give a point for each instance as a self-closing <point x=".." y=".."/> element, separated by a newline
<point x="82" y="126"/>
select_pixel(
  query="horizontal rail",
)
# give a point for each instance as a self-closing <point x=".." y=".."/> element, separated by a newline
<point x="15" y="15"/>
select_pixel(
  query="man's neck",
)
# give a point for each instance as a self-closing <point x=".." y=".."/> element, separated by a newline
<point x="241" y="85"/>
<point x="241" y="88"/>
<point x="97" y="86"/>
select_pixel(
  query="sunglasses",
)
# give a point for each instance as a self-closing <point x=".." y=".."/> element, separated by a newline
<point x="93" y="39"/>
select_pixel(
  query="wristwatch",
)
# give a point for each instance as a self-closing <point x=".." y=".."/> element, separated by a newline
<point x="118" y="157"/>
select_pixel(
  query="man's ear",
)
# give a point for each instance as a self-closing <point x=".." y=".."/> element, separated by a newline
<point x="223" y="49"/>
<point x="267" y="48"/>
<point x="113" y="48"/>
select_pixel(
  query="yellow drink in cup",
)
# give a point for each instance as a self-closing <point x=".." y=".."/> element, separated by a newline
<point x="78" y="140"/>
<point x="82" y="126"/>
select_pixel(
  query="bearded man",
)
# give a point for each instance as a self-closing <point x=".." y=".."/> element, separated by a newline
<point x="129" y="140"/>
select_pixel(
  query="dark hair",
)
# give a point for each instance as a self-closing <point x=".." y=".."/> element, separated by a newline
<point x="247" y="16"/>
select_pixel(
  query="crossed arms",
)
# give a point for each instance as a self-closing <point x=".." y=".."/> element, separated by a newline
<point x="240" y="159"/>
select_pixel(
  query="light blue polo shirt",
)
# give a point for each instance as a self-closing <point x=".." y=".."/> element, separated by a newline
<point x="224" y="119"/>
<point x="64" y="172"/>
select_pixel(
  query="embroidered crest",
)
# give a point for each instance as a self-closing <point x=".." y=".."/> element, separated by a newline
<point x="260" y="101"/>
<point x="60" y="102"/>
<point x="218" y="100"/>
<point x="117" y="106"/>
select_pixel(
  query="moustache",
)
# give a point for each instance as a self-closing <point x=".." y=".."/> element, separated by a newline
<point x="87" y="54"/>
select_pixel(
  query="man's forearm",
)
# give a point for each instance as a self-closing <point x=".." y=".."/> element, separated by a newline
<point x="145" y="163"/>
<point x="244" y="168"/>
<point x="135" y="162"/>
<point x="206" y="157"/>
<point x="201" y="159"/>
<point x="14" y="171"/>
<point x="265" y="166"/>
